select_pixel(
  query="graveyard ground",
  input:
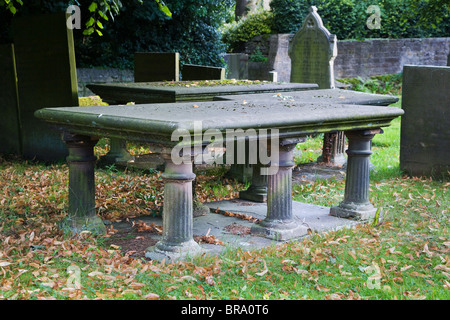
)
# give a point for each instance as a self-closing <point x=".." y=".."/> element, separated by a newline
<point x="403" y="256"/>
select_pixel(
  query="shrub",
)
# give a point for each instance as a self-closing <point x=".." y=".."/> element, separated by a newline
<point x="347" y="18"/>
<point x="236" y="34"/>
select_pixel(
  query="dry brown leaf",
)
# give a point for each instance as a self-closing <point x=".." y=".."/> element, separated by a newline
<point x="151" y="296"/>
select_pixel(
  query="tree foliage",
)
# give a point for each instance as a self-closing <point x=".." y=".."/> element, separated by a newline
<point x="193" y="31"/>
<point x="347" y="18"/>
<point x="99" y="10"/>
<point x="186" y="26"/>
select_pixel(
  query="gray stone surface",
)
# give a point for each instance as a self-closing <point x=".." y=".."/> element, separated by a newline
<point x="163" y="92"/>
<point x="425" y="129"/>
<point x="334" y="143"/>
<point x="156" y="66"/>
<point x="155" y="123"/>
<point x="45" y="60"/>
<point x="312" y="52"/>
<point x="10" y="139"/>
<point x="337" y="96"/>
<point x="193" y="72"/>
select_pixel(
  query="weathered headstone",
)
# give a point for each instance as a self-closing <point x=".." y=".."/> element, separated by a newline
<point x="425" y="129"/>
<point x="46" y="70"/>
<point x="196" y="72"/>
<point x="156" y="66"/>
<point x="10" y="141"/>
<point x="237" y="64"/>
<point x="312" y="52"/>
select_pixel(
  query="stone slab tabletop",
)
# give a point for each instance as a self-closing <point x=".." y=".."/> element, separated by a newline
<point x="340" y="96"/>
<point x="155" y="123"/>
<point x="154" y="92"/>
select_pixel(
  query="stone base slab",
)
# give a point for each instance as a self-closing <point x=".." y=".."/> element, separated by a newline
<point x="252" y="195"/>
<point x="280" y="230"/>
<point x="184" y="251"/>
<point x="363" y="213"/>
<point x="314" y="218"/>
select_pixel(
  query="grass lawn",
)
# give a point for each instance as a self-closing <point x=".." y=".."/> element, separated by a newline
<point x="406" y="256"/>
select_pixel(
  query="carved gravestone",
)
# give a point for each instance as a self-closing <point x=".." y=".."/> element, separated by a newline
<point x="10" y="141"/>
<point x="425" y="129"/>
<point x="156" y="66"/>
<point x="46" y="71"/>
<point x="312" y="52"/>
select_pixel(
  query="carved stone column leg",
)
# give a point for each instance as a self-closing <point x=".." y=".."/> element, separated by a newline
<point x="356" y="203"/>
<point x="199" y="208"/>
<point x="177" y="241"/>
<point x="117" y="154"/>
<point x="279" y="223"/>
<point x="333" y="149"/>
<point x="82" y="215"/>
<point x="258" y="189"/>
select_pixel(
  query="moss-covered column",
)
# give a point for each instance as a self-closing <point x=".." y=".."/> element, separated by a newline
<point x="279" y="223"/>
<point x="177" y="241"/>
<point x="356" y="203"/>
<point x="81" y="160"/>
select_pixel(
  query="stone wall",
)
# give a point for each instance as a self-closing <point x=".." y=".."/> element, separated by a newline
<point x="358" y="58"/>
<point x="94" y="75"/>
<point x="355" y="58"/>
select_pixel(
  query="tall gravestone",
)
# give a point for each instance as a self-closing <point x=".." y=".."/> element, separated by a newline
<point x="156" y="66"/>
<point x="312" y="52"/>
<point x="10" y="139"/>
<point x="425" y="129"/>
<point x="46" y="70"/>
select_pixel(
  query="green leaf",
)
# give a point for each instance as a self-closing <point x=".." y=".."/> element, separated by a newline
<point x="90" y="22"/>
<point x="88" y="31"/>
<point x="101" y="14"/>
<point x="99" y="32"/>
<point x="93" y="7"/>
<point x="99" y="24"/>
<point x="162" y="6"/>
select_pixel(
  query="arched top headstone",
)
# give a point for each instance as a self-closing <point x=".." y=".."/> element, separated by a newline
<point x="312" y="52"/>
